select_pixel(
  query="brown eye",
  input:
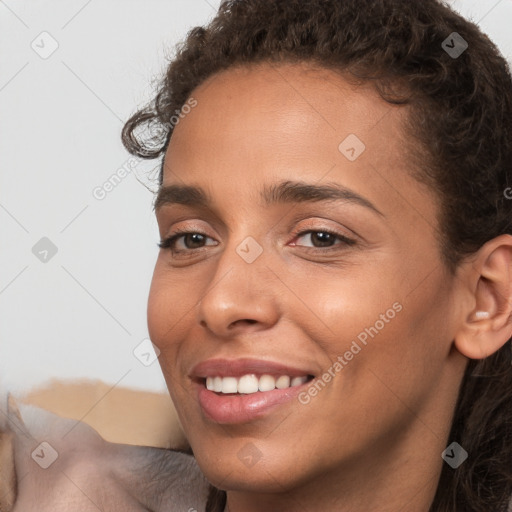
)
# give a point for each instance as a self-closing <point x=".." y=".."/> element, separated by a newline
<point x="193" y="240"/>
<point x="323" y="239"/>
<point x="184" y="242"/>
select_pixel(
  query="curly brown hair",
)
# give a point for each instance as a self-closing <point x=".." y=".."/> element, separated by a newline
<point x="460" y="144"/>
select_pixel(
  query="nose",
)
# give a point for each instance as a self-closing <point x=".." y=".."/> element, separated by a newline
<point x="241" y="296"/>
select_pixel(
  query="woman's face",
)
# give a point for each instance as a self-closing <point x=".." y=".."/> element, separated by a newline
<point x="314" y="257"/>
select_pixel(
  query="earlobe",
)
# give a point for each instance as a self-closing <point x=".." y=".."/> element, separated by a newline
<point x="488" y="325"/>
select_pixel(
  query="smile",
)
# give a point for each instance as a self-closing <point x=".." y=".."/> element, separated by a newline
<point x="251" y="383"/>
<point x="240" y="391"/>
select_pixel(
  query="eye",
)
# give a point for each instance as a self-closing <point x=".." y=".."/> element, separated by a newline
<point x="323" y="239"/>
<point x="189" y="241"/>
<point x="185" y="241"/>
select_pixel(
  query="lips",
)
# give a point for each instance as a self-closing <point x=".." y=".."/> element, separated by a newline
<point x="239" y="391"/>
<point x="240" y="367"/>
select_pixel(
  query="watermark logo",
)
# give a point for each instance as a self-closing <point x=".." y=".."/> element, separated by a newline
<point x="343" y="360"/>
<point x="182" y="113"/>
<point x="45" y="45"/>
<point x="454" y="455"/>
<point x="508" y="193"/>
<point x="249" y="455"/>
<point x="45" y="455"/>
<point x="44" y="250"/>
<point x="146" y="352"/>
<point x="101" y="192"/>
<point x="352" y="147"/>
<point x="454" y="45"/>
<point x="249" y="250"/>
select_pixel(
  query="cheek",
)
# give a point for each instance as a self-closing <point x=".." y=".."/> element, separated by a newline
<point x="168" y="305"/>
<point x="167" y="309"/>
<point x="377" y="339"/>
<point x="343" y="306"/>
<point x="157" y="313"/>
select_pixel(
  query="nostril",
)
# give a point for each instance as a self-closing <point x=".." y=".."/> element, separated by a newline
<point x="246" y="320"/>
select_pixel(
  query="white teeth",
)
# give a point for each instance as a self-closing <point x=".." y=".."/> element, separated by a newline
<point x="266" y="383"/>
<point x="283" y="382"/>
<point x="217" y="384"/>
<point x="229" y="385"/>
<point x="297" y="381"/>
<point x="248" y="384"/>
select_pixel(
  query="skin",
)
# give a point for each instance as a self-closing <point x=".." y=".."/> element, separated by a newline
<point x="370" y="440"/>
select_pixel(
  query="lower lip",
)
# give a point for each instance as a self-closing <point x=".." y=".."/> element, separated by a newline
<point x="244" y="408"/>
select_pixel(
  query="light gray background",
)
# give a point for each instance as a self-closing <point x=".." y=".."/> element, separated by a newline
<point x="83" y="312"/>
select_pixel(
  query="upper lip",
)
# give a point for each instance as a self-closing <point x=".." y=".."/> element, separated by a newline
<point x="239" y="367"/>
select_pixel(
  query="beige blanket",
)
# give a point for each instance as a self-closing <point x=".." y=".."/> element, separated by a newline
<point x="119" y="415"/>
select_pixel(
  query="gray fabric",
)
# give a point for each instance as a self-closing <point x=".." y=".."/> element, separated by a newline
<point x="89" y="474"/>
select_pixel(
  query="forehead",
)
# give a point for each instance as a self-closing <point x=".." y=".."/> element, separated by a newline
<point x="272" y="122"/>
<point x="288" y="101"/>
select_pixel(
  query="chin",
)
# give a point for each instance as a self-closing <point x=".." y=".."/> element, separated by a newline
<point x="238" y="465"/>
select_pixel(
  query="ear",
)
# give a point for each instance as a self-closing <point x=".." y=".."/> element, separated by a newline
<point x="487" y="325"/>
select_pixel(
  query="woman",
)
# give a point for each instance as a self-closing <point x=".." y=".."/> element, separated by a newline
<point x="333" y="294"/>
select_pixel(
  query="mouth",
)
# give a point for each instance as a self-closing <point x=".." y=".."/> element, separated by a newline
<point x="252" y="383"/>
<point x="241" y="391"/>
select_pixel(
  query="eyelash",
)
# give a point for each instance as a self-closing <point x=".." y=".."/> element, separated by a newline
<point x="169" y="243"/>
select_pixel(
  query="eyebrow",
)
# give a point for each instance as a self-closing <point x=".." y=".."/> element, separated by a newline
<point x="283" y="192"/>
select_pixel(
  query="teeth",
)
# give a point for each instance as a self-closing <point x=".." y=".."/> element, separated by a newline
<point x="217" y="384"/>
<point x="248" y="384"/>
<point x="283" y="382"/>
<point x="267" y="383"/>
<point x="297" y="381"/>
<point x="229" y="385"/>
